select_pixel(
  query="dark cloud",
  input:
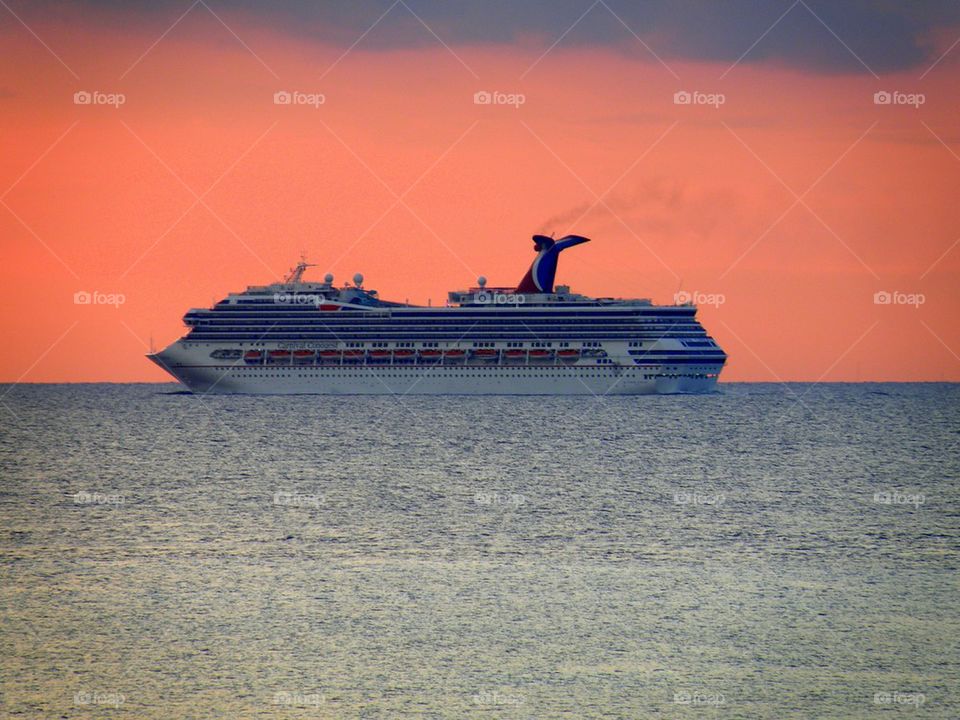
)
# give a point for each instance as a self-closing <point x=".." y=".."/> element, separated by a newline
<point x="886" y="35"/>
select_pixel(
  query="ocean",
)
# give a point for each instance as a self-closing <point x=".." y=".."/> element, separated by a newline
<point x="769" y="551"/>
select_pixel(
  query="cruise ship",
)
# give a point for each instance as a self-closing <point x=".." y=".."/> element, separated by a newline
<point x="297" y="337"/>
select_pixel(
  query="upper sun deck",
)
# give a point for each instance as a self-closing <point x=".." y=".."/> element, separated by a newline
<point x="360" y="297"/>
<point x="536" y="289"/>
<point x="482" y="296"/>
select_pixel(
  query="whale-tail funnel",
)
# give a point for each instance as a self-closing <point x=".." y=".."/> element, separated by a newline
<point x="539" y="278"/>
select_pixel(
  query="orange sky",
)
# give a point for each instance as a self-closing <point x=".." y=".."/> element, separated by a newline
<point x="102" y="198"/>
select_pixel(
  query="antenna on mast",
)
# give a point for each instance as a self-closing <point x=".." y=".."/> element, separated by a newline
<point x="296" y="274"/>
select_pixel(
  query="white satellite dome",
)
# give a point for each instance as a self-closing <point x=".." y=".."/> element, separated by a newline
<point x="358" y="279"/>
<point x="482" y="281"/>
<point x="328" y="278"/>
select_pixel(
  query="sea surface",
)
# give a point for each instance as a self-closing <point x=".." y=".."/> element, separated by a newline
<point x="770" y="551"/>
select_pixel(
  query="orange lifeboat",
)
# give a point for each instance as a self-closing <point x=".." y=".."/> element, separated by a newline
<point x="486" y="354"/>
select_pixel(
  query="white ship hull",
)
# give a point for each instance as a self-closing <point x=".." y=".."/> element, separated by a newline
<point x="366" y="380"/>
<point x="437" y="379"/>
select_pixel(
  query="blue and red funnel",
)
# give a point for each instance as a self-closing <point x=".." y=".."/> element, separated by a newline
<point x="543" y="270"/>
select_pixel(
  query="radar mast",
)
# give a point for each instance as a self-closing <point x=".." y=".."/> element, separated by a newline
<point x="294" y="277"/>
